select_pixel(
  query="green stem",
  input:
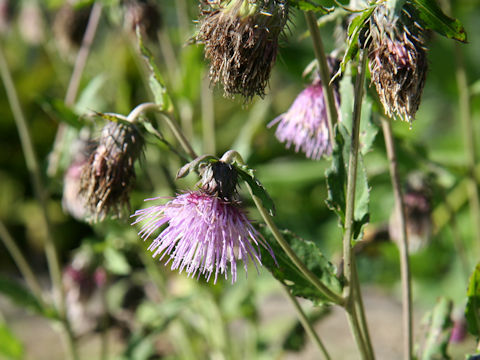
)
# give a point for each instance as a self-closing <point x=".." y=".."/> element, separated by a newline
<point x="36" y="178"/>
<point x="348" y="262"/>
<point x="332" y="115"/>
<point x="329" y="294"/>
<point x="403" y="245"/>
<point x="208" y="118"/>
<point x="360" y="310"/>
<point x="20" y="261"/>
<point x="306" y="323"/>
<point x="177" y="132"/>
<point x="468" y="138"/>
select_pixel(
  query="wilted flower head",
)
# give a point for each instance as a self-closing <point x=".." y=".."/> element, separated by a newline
<point x="143" y="14"/>
<point x="206" y="234"/>
<point x="305" y="124"/>
<point x="69" y="26"/>
<point x="108" y="176"/>
<point x="241" y="42"/>
<point x="418" y="215"/>
<point x="398" y="62"/>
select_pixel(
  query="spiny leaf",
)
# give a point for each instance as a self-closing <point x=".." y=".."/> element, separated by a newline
<point x="289" y="274"/>
<point x="354" y="30"/>
<point x="248" y="175"/>
<point x="337" y="184"/>
<point x="472" y="311"/>
<point x="432" y="17"/>
<point x="156" y="82"/>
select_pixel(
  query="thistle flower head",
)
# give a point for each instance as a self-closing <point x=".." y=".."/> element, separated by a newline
<point x="241" y="42"/>
<point x="398" y="62"/>
<point x="305" y="124"/>
<point x="108" y="175"/>
<point x="143" y="14"/>
<point x="205" y="235"/>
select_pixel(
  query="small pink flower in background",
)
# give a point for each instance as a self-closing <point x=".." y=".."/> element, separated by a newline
<point x="305" y="124"/>
<point x="205" y="235"/>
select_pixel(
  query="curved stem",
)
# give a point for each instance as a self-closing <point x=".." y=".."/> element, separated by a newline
<point x="20" y="261"/>
<point x="335" y="298"/>
<point x="39" y="189"/>
<point x="139" y="109"/>
<point x="404" y="259"/>
<point x="306" y="323"/>
<point x="177" y="132"/>
<point x="332" y="115"/>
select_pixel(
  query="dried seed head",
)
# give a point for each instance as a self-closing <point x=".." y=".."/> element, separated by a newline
<point x="418" y="214"/>
<point x="241" y="42"/>
<point x="145" y="14"/>
<point x="109" y="174"/>
<point x="398" y="62"/>
<point x="220" y="179"/>
<point x="69" y="26"/>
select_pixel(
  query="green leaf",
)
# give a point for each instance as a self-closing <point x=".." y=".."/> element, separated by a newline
<point x="21" y="296"/>
<point x="439" y="331"/>
<point x="472" y="311"/>
<point x="10" y="346"/>
<point x="116" y="262"/>
<point x="308" y="5"/>
<point x="248" y="175"/>
<point x="354" y="30"/>
<point x="289" y="274"/>
<point x="195" y="165"/>
<point x="337" y="185"/>
<point x="156" y="82"/>
<point x="57" y="109"/>
<point x="432" y="17"/>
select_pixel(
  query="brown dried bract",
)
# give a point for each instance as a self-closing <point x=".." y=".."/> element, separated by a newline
<point x="108" y="176"/>
<point x="398" y="64"/>
<point x="242" y="49"/>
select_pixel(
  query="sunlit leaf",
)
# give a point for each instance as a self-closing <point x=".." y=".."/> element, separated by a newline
<point x="288" y="273"/>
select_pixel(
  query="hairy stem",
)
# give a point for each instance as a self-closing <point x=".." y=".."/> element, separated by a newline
<point x="39" y="189"/>
<point x="352" y="302"/>
<point x="20" y="261"/>
<point x="403" y="245"/>
<point x="332" y="115"/>
<point x="306" y="323"/>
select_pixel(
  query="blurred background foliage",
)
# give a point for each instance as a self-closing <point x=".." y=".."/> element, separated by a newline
<point x="164" y="314"/>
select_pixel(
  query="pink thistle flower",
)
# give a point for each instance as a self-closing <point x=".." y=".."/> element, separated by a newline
<point x="205" y="235"/>
<point x="305" y="124"/>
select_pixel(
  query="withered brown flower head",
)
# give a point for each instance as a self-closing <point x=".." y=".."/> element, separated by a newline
<point x="109" y="173"/>
<point x="241" y="42"/>
<point x="398" y="62"/>
<point x="69" y="26"/>
<point x="145" y="14"/>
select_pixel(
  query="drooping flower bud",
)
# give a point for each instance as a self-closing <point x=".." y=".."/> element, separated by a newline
<point x="220" y="179"/>
<point x="398" y="62"/>
<point x="143" y="14"/>
<point x="418" y="215"/>
<point x="69" y="26"/>
<point x="305" y="124"/>
<point x="109" y="174"/>
<point x="241" y="42"/>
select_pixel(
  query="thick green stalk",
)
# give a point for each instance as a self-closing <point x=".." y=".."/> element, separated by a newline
<point x="403" y="245"/>
<point x="332" y="115"/>
<point x="352" y="301"/>
<point x="36" y="178"/>
<point x="306" y="323"/>
<point x="329" y="294"/>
